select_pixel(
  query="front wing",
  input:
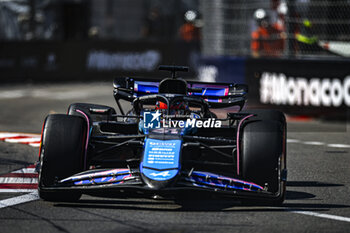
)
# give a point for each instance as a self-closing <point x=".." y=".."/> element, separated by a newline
<point x="110" y="182"/>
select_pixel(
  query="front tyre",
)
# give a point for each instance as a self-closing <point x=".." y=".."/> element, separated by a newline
<point x="263" y="156"/>
<point x="61" y="154"/>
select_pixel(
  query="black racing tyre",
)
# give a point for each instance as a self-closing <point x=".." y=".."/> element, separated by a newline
<point x="61" y="154"/>
<point x="275" y="115"/>
<point x="263" y="156"/>
<point x="94" y="112"/>
<point x="267" y="114"/>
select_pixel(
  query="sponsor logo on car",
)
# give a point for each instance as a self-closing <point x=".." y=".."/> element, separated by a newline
<point x="164" y="174"/>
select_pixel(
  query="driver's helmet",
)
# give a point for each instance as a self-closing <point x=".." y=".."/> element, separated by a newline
<point x="178" y="108"/>
<point x="161" y="105"/>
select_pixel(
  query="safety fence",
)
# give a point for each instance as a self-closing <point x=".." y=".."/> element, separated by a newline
<point x="276" y="28"/>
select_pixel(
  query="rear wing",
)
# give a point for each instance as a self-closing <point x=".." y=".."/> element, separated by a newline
<point x="217" y="95"/>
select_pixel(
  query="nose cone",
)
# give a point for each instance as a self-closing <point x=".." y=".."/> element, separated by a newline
<point x="159" y="179"/>
<point x="161" y="162"/>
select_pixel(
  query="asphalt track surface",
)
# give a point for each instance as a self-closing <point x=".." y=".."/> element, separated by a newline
<point x="318" y="185"/>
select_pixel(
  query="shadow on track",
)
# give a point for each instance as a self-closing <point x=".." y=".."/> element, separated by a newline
<point x="311" y="184"/>
<point x="295" y="195"/>
<point x="194" y="205"/>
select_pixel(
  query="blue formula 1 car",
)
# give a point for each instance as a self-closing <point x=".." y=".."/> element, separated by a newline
<point x="170" y="143"/>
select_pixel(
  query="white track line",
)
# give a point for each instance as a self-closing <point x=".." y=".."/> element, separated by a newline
<point x="314" y="143"/>
<point x="33" y="196"/>
<point x="56" y="95"/>
<point x="328" y="216"/>
<point x="16" y="180"/>
<point x="16" y="190"/>
<point x="26" y="140"/>
<point x="293" y="141"/>
<point x="16" y="134"/>
<point x="34" y="144"/>
<point x="7" y="135"/>
<point x="14" y="94"/>
<point x="338" y="145"/>
<point x="25" y="170"/>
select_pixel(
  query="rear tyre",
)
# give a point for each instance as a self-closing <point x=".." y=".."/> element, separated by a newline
<point x="61" y="154"/>
<point x="263" y="156"/>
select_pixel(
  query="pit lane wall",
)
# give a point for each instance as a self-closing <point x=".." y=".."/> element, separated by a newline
<point x="48" y="61"/>
<point x="313" y="87"/>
